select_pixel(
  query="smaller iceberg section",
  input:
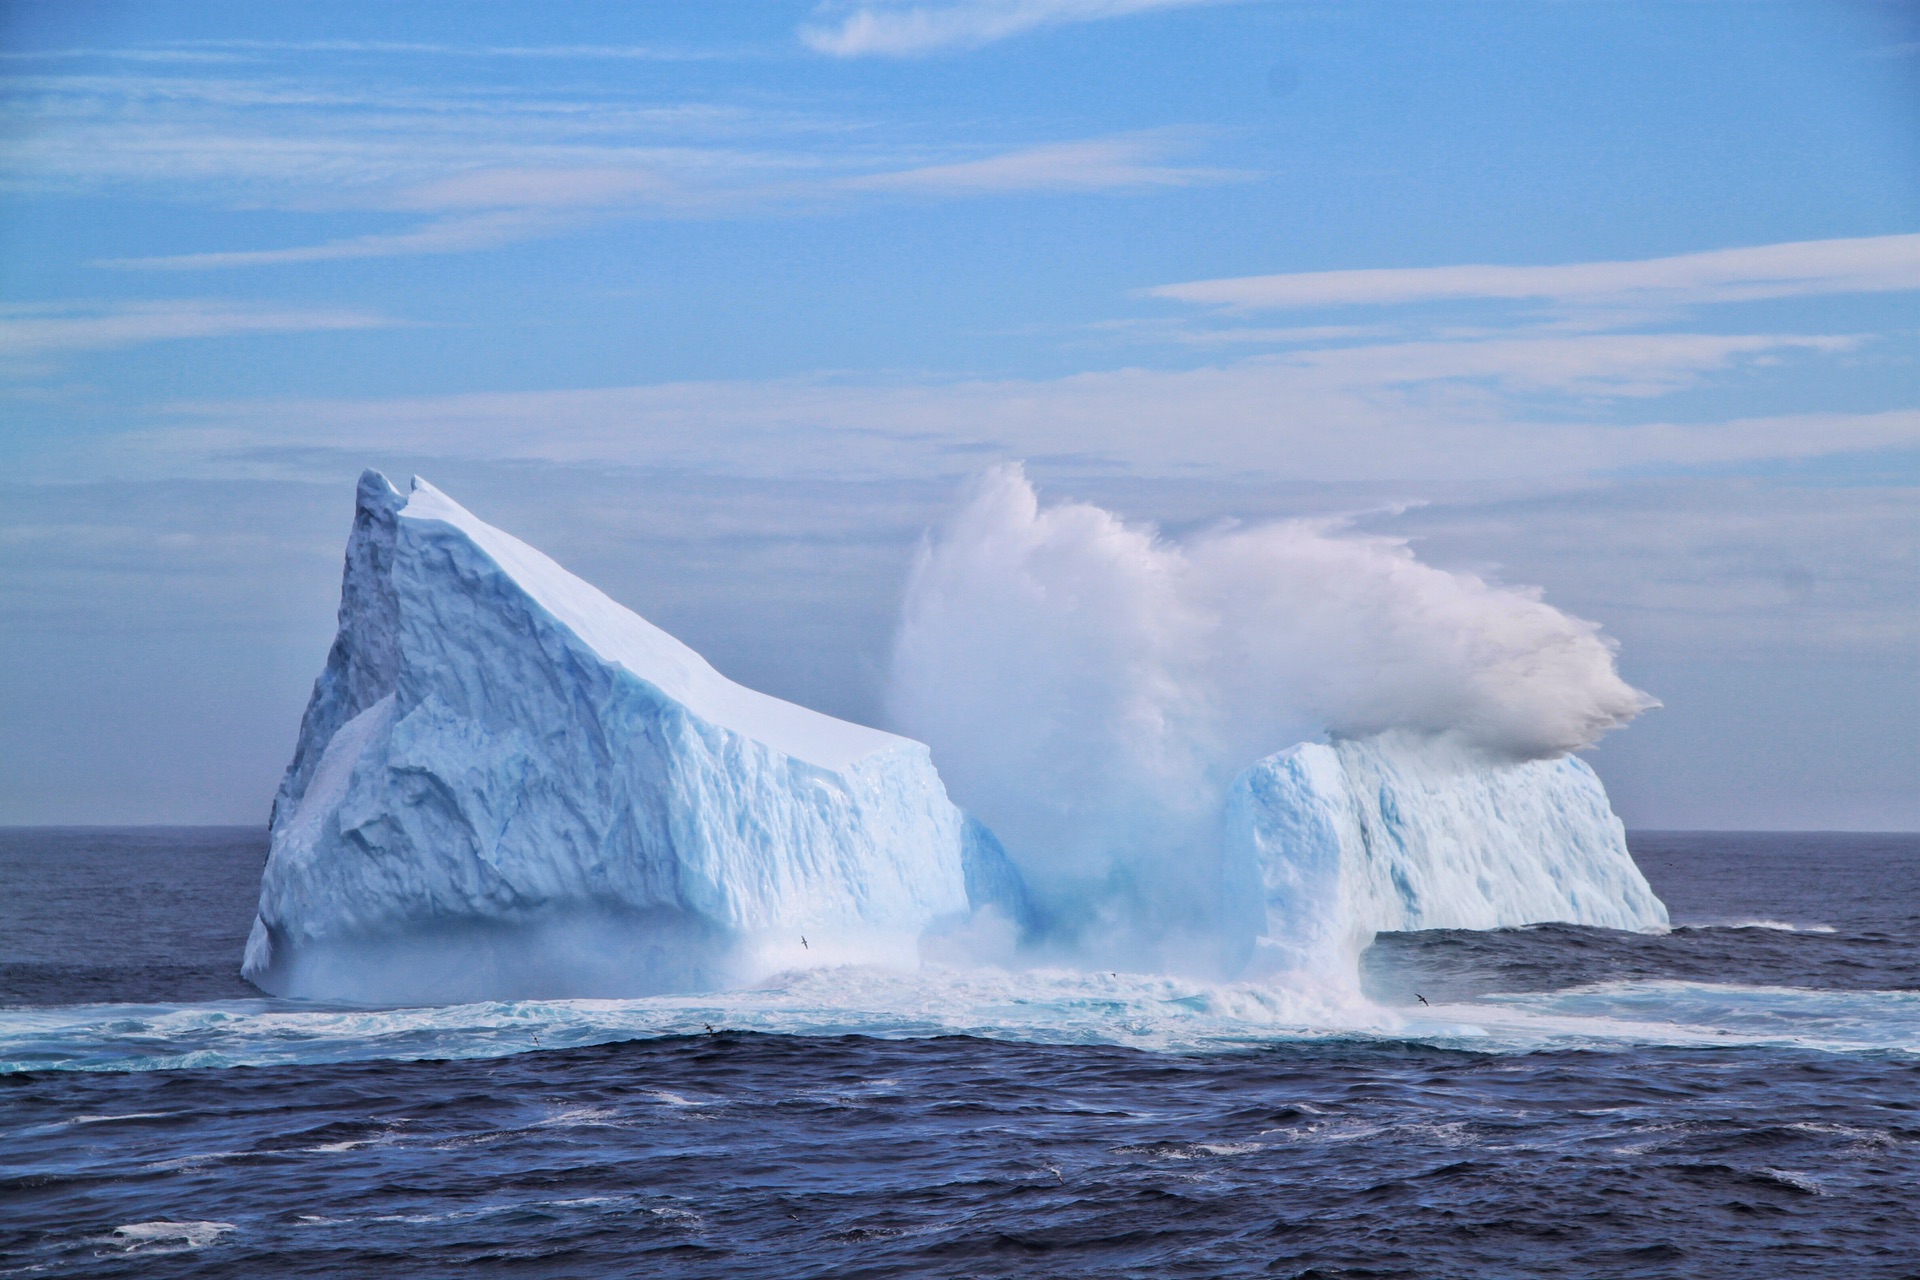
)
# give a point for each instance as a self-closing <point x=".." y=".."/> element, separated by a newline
<point x="507" y="786"/>
<point x="1328" y="844"/>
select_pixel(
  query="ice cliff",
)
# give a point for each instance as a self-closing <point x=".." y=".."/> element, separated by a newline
<point x="1328" y="844"/>
<point x="508" y="785"/>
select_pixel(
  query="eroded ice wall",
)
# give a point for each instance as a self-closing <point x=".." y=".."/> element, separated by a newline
<point x="508" y="785"/>
<point x="1414" y="831"/>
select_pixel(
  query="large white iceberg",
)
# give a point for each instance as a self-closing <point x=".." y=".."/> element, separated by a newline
<point x="508" y="785"/>
<point x="1328" y="844"/>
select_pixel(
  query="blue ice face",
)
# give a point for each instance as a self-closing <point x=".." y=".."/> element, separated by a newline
<point x="508" y="785"/>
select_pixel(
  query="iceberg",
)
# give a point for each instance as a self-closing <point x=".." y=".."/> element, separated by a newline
<point x="1330" y="843"/>
<point x="507" y="785"/>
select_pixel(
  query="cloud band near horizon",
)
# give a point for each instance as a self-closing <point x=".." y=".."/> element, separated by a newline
<point x="1804" y="268"/>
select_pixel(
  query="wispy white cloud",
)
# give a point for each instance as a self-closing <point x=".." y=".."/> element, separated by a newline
<point x="1605" y="365"/>
<point x="904" y="28"/>
<point x="1421" y="418"/>
<point x="452" y="49"/>
<point x="1164" y="331"/>
<point x="1802" y="268"/>
<point x="302" y="143"/>
<point x="1096" y="164"/>
<point x="547" y="188"/>
<point x="30" y="333"/>
<point x="210" y="51"/>
<point x="1720" y="565"/>
<point x="484" y="169"/>
<point x="444" y="235"/>
<point x="489" y="208"/>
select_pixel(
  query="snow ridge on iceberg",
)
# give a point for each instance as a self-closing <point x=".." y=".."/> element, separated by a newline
<point x="506" y="784"/>
<point x="1329" y="844"/>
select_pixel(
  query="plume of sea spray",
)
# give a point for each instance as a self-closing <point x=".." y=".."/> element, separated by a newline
<point x="1090" y="689"/>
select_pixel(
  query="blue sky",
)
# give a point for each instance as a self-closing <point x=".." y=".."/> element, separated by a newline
<point x="720" y="303"/>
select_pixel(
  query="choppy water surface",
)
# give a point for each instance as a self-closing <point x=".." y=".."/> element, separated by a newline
<point x="1740" y="1096"/>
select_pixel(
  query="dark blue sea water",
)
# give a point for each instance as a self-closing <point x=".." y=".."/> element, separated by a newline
<point x="1739" y="1097"/>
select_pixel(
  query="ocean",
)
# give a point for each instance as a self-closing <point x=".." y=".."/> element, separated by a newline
<point x="1737" y="1097"/>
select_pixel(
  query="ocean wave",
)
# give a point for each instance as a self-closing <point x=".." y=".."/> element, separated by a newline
<point x="1781" y="926"/>
<point x="166" y="1237"/>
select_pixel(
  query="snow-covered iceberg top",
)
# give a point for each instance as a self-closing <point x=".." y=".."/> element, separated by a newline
<point x="507" y="784"/>
<point x="620" y="636"/>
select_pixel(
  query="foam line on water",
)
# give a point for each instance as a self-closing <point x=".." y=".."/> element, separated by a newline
<point x="1059" y="1007"/>
<point x="1779" y="926"/>
<point x="1783" y="1017"/>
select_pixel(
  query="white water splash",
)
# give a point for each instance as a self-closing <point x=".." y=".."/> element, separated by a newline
<point x="1150" y="1012"/>
<point x="167" y="1237"/>
<point x="1090" y="689"/>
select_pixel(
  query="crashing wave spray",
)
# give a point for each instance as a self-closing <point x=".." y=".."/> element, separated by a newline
<point x="1091" y="691"/>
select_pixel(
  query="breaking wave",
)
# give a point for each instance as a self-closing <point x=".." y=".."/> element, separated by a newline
<point x="1047" y="1006"/>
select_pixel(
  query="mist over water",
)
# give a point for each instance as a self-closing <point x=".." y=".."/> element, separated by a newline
<point x="1090" y="689"/>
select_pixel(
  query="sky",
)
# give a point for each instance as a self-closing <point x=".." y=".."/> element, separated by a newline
<point x="723" y="305"/>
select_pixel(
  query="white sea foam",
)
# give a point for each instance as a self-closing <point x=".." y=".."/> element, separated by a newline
<point x="1782" y="926"/>
<point x="1144" y="1011"/>
<point x="168" y="1237"/>
<point x="1796" y="1179"/>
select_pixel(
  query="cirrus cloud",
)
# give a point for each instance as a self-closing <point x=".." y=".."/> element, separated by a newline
<point x="906" y="30"/>
<point x="1870" y="264"/>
